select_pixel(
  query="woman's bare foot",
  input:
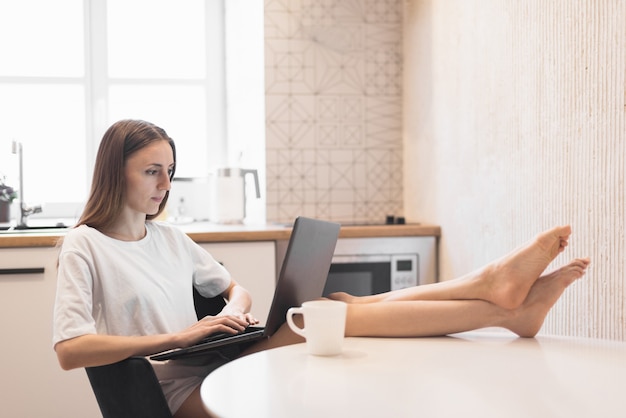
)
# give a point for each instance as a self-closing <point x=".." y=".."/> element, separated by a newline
<point x="507" y="281"/>
<point x="526" y="321"/>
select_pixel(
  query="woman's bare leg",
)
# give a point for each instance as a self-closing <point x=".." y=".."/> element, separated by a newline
<point x="504" y="282"/>
<point x="193" y="407"/>
<point x="428" y="318"/>
<point x="423" y="318"/>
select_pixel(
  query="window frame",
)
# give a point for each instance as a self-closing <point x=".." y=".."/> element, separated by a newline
<point x="95" y="83"/>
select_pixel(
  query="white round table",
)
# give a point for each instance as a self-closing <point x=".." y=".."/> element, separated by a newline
<point x="466" y="375"/>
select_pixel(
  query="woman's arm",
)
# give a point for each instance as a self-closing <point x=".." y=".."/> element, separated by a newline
<point x="97" y="350"/>
<point x="239" y="303"/>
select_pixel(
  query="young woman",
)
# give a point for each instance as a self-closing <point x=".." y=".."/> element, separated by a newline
<point x="125" y="281"/>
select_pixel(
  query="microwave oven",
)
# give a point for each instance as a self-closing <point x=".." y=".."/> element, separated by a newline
<point x="367" y="266"/>
<point x="368" y="274"/>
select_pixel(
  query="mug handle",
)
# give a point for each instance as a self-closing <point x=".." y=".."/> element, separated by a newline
<point x="290" y="313"/>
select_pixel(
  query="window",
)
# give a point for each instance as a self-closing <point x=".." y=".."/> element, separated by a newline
<point x="72" y="67"/>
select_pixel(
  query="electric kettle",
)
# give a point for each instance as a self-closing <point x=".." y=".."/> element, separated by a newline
<point x="229" y="202"/>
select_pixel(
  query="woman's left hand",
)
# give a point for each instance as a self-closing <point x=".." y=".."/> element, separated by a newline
<point x="238" y="313"/>
<point x="239" y="303"/>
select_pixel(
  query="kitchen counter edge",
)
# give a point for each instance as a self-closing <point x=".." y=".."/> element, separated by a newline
<point x="241" y="233"/>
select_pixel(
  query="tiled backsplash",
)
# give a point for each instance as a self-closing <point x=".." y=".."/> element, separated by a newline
<point x="333" y="109"/>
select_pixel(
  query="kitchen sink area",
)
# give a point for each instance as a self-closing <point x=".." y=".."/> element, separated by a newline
<point x="36" y="226"/>
<point x="32" y="229"/>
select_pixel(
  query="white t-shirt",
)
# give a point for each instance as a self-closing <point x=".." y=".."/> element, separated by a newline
<point x="112" y="287"/>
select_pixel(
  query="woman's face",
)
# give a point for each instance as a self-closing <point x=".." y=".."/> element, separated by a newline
<point x="148" y="177"/>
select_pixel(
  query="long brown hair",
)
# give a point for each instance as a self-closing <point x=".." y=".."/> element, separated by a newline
<point x="108" y="186"/>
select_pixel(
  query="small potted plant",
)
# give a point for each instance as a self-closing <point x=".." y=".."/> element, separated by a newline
<point x="7" y="196"/>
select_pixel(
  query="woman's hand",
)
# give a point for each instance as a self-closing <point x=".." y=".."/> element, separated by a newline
<point x="239" y="303"/>
<point x="230" y="310"/>
<point x="230" y="324"/>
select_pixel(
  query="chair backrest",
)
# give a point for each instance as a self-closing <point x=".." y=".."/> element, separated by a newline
<point x="207" y="306"/>
<point x="130" y="388"/>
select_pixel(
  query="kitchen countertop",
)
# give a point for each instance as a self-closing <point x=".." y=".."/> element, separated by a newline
<point x="210" y="232"/>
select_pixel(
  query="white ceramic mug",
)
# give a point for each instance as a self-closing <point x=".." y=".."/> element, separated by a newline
<point x="324" y="325"/>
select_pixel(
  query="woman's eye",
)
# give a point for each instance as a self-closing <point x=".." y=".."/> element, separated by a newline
<point x="152" y="172"/>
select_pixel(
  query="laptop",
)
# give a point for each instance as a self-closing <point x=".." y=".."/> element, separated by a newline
<point x="302" y="278"/>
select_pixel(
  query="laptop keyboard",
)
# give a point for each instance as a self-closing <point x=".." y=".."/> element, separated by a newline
<point x="213" y="337"/>
<point x="220" y="335"/>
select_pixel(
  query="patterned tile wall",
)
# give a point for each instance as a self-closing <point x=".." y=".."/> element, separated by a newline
<point x="333" y="71"/>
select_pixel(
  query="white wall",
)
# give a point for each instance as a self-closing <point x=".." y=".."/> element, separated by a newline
<point x="515" y="122"/>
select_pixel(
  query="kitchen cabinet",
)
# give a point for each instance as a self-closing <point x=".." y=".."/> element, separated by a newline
<point x="33" y="384"/>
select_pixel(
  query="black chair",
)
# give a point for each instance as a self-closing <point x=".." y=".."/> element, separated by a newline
<point x="129" y="388"/>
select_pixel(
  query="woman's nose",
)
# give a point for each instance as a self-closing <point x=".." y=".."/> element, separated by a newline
<point x="166" y="183"/>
